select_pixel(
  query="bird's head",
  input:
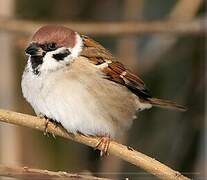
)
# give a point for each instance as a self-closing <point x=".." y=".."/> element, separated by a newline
<point x="53" y="47"/>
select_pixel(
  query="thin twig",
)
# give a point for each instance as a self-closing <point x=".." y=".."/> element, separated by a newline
<point x="111" y="28"/>
<point x="128" y="154"/>
<point x="34" y="174"/>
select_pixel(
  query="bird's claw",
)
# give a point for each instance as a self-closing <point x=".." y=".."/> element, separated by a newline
<point x="46" y="126"/>
<point x="47" y="120"/>
<point x="103" y="145"/>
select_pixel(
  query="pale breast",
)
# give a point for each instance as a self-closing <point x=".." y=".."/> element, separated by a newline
<point x="82" y="99"/>
<point x="106" y="100"/>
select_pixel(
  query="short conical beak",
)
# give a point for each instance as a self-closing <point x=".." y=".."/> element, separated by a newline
<point x="33" y="50"/>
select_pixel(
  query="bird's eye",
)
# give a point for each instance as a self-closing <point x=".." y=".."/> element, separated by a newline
<point x="51" y="46"/>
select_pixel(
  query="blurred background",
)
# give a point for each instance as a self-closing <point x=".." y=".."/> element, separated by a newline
<point x="164" y="43"/>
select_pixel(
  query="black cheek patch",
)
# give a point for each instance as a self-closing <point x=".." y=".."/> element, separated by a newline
<point x="60" y="56"/>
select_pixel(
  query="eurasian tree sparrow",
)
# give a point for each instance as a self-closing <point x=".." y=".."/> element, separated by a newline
<point x="75" y="81"/>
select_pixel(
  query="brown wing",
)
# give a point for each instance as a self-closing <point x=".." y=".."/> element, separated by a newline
<point x="115" y="71"/>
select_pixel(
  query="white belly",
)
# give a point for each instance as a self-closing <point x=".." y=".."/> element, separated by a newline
<point x="82" y="101"/>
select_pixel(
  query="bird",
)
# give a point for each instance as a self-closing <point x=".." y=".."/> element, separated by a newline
<point x="73" y="80"/>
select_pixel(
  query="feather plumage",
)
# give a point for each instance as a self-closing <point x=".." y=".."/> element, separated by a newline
<point x="115" y="71"/>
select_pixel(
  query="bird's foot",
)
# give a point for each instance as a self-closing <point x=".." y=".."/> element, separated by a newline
<point x="47" y="120"/>
<point x="46" y="126"/>
<point x="57" y="124"/>
<point x="103" y="145"/>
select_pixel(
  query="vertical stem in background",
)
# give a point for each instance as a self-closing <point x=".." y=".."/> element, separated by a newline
<point x="127" y="51"/>
<point x="127" y="46"/>
<point x="183" y="10"/>
<point x="9" y="135"/>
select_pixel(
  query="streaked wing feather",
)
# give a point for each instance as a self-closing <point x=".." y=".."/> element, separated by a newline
<point x="115" y="71"/>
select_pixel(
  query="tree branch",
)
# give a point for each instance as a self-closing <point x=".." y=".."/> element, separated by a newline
<point x="113" y="28"/>
<point x="34" y="174"/>
<point x="126" y="153"/>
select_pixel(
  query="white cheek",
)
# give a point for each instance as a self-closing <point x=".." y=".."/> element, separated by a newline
<point x="50" y="64"/>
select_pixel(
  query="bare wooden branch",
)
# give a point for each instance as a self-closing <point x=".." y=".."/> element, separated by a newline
<point x="34" y="174"/>
<point x="111" y="28"/>
<point x="126" y="153"/>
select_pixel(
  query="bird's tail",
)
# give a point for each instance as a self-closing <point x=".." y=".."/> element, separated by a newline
<point x="166" y="104"/>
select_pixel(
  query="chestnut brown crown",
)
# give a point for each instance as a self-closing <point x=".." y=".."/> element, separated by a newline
<point x="60" y="35"/>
